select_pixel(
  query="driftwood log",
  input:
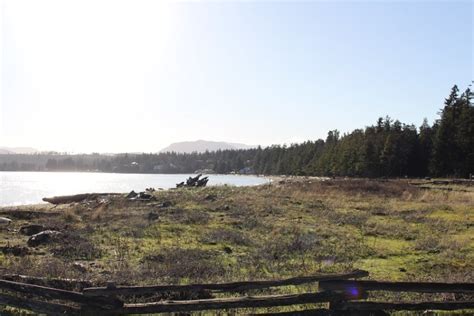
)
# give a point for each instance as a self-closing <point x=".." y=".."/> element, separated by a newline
<point x="66" y="199"/>
<point x="196" y="181"/>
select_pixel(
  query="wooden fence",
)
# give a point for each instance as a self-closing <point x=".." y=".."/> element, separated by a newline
<point x="340" y="294"/>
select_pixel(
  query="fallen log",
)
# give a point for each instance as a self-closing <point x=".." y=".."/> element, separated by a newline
<point x="66" y="199"/>
<point x="14" y="250"/>
<point x="219" y="287"/>
<point x="196" y="181"/>
<point x="5" y="221"/>
<point x="202" y="182"/>
<point x="192" y="181"/>
<point x="44" y="237"/>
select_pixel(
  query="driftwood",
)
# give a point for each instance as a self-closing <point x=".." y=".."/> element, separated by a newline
<point x="5" y="221"/>
<point x="466" y="182"/>
<point x="192" y="180"/>
<point x="219" y="287"/>
<point x="19" y="213"/>
<point x="15" y="250"/>
<point x="196" y="181"/>
<point x="420" y="287"/>
<point x="141" y="196"/>
<point x="66" y="199"/>
<point x="43" y="237"/>
<point x="32" y="229"/>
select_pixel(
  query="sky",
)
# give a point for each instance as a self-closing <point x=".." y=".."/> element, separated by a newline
<point x="135" y="76"/>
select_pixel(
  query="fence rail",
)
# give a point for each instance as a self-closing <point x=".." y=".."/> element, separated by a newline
<point x="370" y="306"/>
<point x="342" y="294"/>
<point x="219" y="287"/>
<point x="226" y="303"/>
<point x="58" y="294"/>
<point x="419" y="287"/>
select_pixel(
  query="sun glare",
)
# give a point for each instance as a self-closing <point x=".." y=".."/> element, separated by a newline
<point x="86" y="63"/>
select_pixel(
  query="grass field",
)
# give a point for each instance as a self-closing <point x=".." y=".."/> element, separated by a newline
<point x="392" y="229"/>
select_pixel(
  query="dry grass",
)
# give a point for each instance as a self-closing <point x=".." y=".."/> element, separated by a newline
<point x="395" y="230"/>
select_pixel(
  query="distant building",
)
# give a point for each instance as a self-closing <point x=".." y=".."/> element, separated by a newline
<point x="205" y="171"/>
<point x="158" y="168"/>
<point x="246" y="170"/>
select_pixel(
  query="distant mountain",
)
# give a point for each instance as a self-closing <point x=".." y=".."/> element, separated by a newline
<point x="17" y="150"/>
<point x="203" y="145"/>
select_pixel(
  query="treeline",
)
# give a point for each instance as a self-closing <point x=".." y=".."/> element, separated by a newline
<point x="387" y="149"/>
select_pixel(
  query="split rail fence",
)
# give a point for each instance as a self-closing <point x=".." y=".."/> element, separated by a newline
<point x="336" y="294"/>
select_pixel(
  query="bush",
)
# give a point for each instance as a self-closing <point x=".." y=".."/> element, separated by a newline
<point x="75" y="247"/>
<point x="196" y="217"/>
<point x="174" y="264"/>
<point x="429" y="244"/>
<point x="226" y="235"/>
<point x="189" y="217"/>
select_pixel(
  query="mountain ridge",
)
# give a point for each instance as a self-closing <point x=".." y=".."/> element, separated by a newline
<point x="203" y="145"/>
<point x="17" y="150"/>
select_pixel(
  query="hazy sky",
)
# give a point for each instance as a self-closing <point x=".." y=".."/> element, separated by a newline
<point x="114" y="76"/>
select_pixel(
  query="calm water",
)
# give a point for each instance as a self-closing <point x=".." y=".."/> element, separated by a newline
<point x="18" y="188"/>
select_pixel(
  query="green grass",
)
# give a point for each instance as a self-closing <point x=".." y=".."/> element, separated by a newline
<point x="392" y="229"/>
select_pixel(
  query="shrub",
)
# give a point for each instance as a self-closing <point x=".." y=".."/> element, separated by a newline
<point x="196" y="217"/>
<point x="75" y="247"/>
<point x="226" y="235"/>
<point x="174" y="264"/>
<point x="428" y="243"/>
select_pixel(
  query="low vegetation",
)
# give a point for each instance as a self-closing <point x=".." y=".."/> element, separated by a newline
<point x="393" y="229"/>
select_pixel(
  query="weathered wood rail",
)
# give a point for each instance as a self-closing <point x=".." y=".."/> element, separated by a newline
<point x="219" y="287"/>
<point x="419" y="287"/>
<point x="341" y="294"/>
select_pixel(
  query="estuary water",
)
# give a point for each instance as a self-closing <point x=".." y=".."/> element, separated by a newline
<point x="19" y="188"/>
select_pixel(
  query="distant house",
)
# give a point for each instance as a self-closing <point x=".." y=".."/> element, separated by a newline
<point x="205" y="171"/>
<point x="169" y="167"/>
<point x="158" y="168"/>
<point x="246" y="170"/>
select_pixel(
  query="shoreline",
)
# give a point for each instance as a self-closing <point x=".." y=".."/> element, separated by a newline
<point x="160" y="182"/>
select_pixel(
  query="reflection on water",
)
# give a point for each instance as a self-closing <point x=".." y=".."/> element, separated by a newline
<point x="17" y="188"/>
